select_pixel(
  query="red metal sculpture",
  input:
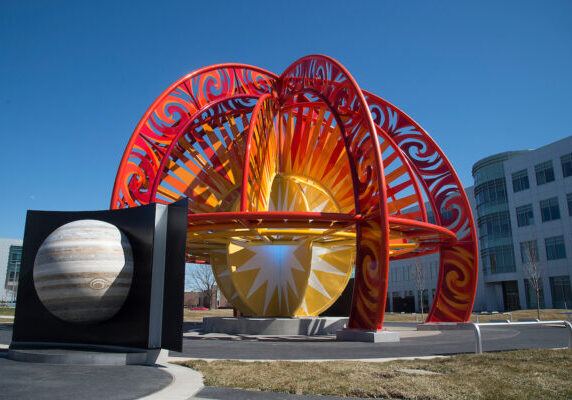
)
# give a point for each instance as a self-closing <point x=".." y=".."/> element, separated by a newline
<point x="231" y="136"/>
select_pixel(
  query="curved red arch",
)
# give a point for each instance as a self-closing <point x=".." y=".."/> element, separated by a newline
<point x="188" y="95"/>
<point x="370" y="128"/>
<point x="195" y="120"/>
<point x="335" y="84"/>
<point x="458" y="272"/>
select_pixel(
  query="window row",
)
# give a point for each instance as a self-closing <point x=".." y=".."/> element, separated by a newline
<point x="15" y="255"/>
<point x="544" y="173"/>
<point x="549" y="211"/>
<point x="411" y="272"/>
<point x="554" y="247"/>
<point x="559" y="287"/>
<point x="491" y="192"/>
<point x="494" y="225"/>
<point x="498" y="259"/>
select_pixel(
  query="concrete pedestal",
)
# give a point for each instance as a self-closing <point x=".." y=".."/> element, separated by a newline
<point x="308" y="326"/>
<point x="444" y="326"/>
<point x="356" y="335"/>
<point x="58" y="353"/>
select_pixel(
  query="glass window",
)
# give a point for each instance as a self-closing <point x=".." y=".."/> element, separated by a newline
<point x="555" y="248"/>
<point x="561" y="293"/>
<point x="494" y="226"/>
<point x="544" y="172"/>
<point x="531" y="293"/>
<point x="15" y="254"/>
<point x="520" y="181"/>
<point x="510" y="297"/>
<point x="498" y="259"/>
<point x="569" y="200"/>
<point x="566" y="165"/>
<point x="529" y="251"/>
<point x="524" y="215"/>
<point x="549" y="209"/>
<point x="491" y="192"/>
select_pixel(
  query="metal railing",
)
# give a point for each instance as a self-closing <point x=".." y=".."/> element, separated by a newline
<point x="494" y="313"/>
<point x="478" y="338"/>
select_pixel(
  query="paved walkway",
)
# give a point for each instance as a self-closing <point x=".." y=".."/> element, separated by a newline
<point x="44" y="381"/>
<point x="412" y="344"/>
<point x="22" y="380"/>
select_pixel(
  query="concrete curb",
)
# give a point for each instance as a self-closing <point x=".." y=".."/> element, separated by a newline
<point x="181" y="359"/>
<point x="186" y="383"/>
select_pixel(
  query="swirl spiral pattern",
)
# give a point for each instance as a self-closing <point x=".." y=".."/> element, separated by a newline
<point x="305" y="160"/>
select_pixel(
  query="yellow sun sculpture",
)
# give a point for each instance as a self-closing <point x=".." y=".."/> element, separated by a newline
<point x="292" y="272"/>
<point x="297" y="271"/>
<point x="296" y="181"/>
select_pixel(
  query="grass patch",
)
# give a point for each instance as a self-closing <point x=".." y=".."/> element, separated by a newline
<point x="197" y="315"/>
<point x="7" y="311"/>
<point x="549" y="314"/>
<point x="523" y="374"/>
<point x="546" y="315"/>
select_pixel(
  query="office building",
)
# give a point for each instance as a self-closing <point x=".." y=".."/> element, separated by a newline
<point x="522" y="204"/>
<point x="10" y="258"/>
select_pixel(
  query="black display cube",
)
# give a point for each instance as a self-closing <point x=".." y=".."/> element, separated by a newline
<point x="151" y="316"/>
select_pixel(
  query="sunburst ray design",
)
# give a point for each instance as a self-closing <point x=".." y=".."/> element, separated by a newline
<point x="330" y="272"/>
<point x="270" y="279"/>
<point x="223" y="135"/>
<point x="223" y="279"/>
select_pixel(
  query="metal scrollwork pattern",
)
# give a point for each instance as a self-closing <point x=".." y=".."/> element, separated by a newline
<point x="332" y="83"/>
<point x="163" y="120"/>
<point x="304" y="153"/>
<point x="456" y="286"/>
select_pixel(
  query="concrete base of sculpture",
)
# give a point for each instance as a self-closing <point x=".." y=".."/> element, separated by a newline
<point x="308" y="326"/>
<point x="62" y="353"/>
<point x="444" y="326"/>
<point x="357" y="335"/>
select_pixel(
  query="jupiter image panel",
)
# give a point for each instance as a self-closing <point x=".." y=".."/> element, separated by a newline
<point x="83" y="271"/>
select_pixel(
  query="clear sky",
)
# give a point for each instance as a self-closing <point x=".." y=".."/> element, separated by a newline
<point x="481" y="77"/>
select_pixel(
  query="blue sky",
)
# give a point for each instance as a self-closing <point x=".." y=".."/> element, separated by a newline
<point x="75" y="77"/>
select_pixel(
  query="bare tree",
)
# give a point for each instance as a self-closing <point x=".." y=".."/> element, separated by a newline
<point x="200" y="278"/>
<point x="419" y="277"/>
<point x="533" y="269"/>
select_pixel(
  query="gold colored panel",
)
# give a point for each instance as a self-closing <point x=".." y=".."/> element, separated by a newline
<point x="270" y="279"/>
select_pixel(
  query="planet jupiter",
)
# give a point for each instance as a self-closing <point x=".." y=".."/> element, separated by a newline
<point x="83" y="271"/>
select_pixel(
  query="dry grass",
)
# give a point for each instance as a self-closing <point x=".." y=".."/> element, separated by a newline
<point x="546" y="315"/>
<point x="7" y="311"/>
<point x="523" y="374"/>
<point x="553" y="314"/>
<point x="197" y="316"/>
